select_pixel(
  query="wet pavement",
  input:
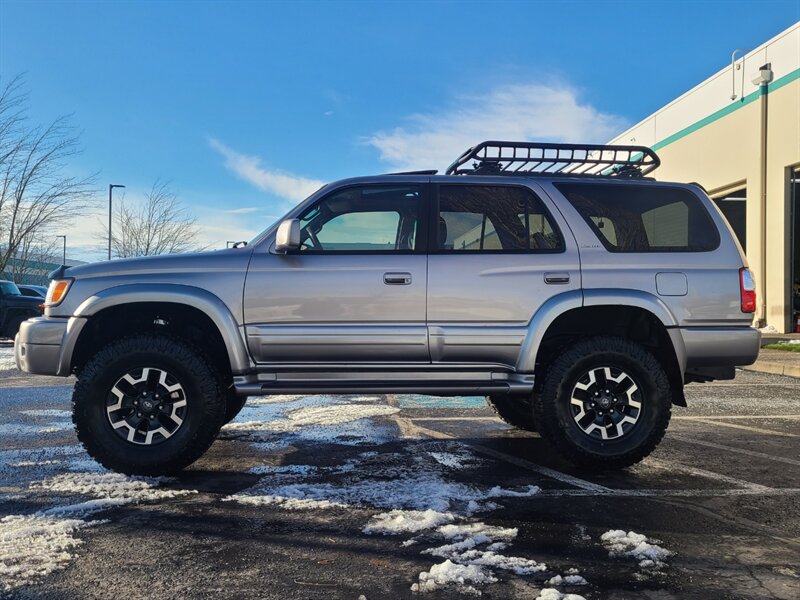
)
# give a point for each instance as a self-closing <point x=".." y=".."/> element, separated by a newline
<point x="350" y="496"/>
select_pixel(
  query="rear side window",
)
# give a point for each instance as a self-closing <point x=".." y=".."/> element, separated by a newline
<point x="643" y="218"/>
<point x="483" y="218"/>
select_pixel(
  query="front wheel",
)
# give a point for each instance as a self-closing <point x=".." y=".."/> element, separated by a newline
<point x="147" y="405"/>
<point x="605" y="403"/>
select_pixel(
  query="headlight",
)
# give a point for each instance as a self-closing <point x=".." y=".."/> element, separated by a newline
<point x="57" y="291"/>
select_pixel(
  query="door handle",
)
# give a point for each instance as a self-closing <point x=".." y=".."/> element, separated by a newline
<point x="397" y="278"/>
<point x="556" y="278"/>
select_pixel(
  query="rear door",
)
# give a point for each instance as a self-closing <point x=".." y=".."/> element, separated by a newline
<point x="354" y="291"/>
<point x="497" y="254"/>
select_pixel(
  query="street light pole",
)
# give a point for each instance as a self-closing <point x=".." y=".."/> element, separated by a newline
<point x="64" y="254"/>
<point x="111" y="187"/>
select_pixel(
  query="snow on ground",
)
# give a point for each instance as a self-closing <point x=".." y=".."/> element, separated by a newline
<point x="414" y="486"/>
<point x="449" y="573"/>
<point x="407" y="521"/>
<point x="7" y="362"/>
<point x="637" y="546"/>
<point x="553" y="594"/>
<point x="35" y="545"/>
<point x="275" y="424"/>
<point x="32" y="546"/>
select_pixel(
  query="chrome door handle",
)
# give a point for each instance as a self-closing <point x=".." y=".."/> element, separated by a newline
<point x="397" y="278"/>
<point x="556" y="278"/>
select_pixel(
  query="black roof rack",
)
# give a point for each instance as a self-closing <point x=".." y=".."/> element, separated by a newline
<point x="535" y="158"/>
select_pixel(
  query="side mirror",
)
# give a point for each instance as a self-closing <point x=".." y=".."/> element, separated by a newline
<point x="288" y="236"/>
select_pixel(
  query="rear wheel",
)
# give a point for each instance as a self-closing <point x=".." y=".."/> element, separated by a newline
<point x="605" y="403"/>
<point x="147" y="405"/>
<point x="516" y="411"/>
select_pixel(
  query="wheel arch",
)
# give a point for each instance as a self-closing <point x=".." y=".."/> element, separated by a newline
<point x="635" y="315"/>
<point x="124" y="308"/>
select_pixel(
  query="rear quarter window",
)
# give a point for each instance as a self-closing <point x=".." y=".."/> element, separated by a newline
<point x="643" y="218"/>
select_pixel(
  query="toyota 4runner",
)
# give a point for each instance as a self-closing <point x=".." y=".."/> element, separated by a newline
<point x="575" y="293"/>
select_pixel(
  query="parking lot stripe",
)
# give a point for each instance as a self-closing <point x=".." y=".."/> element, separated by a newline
<point x="753" y="453"/>
<point x="745" y="428"/>
<point x="675" y="466"/>
<point x="665" y="492"/>
<point x="457" y="419"/>
<point x="408" y="427"/>
<point x="739" y="417"/>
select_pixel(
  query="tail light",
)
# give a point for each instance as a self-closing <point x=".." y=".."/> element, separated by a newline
<point x="747" y="287"/>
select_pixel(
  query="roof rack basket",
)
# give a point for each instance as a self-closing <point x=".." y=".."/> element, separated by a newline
<point x="534" y="158"/>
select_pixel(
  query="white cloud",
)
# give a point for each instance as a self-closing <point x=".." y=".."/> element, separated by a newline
<point x="280" y="183"/>
<point x="243" y="211"/>
<point x="519" y="112"/>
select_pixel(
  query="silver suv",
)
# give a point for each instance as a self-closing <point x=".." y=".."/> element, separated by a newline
<point x="576" y="294"/>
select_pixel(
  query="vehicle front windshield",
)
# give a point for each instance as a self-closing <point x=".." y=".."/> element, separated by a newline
<point x="9" y="288"/>
<point x="275" y="222"/>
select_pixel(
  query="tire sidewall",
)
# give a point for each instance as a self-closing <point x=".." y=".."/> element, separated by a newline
<point x="648" y="376"/>
<point x="95" y="429"/>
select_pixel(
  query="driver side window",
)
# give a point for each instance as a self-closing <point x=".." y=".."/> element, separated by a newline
<point x="363" y="219"/>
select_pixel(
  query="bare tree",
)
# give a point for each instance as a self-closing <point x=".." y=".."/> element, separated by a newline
<point x="159" y="225"/>
<point x="33" y="249"/>
<point x="35" y="190"/>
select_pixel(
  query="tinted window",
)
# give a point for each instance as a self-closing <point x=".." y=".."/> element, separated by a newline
<point x="494" y="219"/>
<point x="9" y="288"/>
<point x="363" y="219"/>
<point x="643" y="218"/>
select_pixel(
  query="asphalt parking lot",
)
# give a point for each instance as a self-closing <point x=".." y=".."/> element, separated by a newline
<point x="369" y="496"/>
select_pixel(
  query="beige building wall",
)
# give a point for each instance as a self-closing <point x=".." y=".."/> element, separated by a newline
<point x="706" y="137"/>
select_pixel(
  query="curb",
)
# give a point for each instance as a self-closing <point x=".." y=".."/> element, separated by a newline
<point x="774" y="368"/>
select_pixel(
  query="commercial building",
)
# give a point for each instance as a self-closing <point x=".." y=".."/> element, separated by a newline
<point x="738" y="135"/>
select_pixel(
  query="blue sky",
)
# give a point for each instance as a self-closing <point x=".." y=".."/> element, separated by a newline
<point x="246" y="106"/>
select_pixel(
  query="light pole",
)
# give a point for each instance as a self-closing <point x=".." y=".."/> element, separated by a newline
<point x="64" y="255"/>
<point x="111" y="187"/>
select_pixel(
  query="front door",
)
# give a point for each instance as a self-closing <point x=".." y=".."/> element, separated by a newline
<point x="355" y="290"/>
<point x="497" y="256"/>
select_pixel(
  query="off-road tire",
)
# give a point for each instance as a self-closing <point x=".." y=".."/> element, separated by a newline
<point x="554" y="416"/>
<point x="234" y="403"/>
<point x="205" y="405"/>
<point x="517" y="412"/>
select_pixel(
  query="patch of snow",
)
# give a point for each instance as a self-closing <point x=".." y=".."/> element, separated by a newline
<point x="59" y="414"/>
<point x="34" y="546"/>
<point x="7" y="362"/>
<point x="449" y="574"/>
<point x="488" y="558"/>
<point x="637" y="546"/>
<point x="451" y="460"/>
<point x="34" y="463"/>
<point x="302" y="470"/>
<point x="567" y="580"/>
<point x="768" y="329"/>
<point x="109" y="485"/>
<point x="499" y="492"/>
<point x="407" y="521"/>
<point x="316" y="416"/>
<point x="284" y="502"/>
<point x="277" y="399"/>
<point x="552" y="594"/>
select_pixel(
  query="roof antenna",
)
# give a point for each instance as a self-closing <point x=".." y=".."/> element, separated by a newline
<point x="734" y="68"/>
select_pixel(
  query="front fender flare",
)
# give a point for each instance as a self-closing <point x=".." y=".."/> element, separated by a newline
<point x="203" y="300"/>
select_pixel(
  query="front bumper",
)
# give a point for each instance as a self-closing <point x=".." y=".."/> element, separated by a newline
<point x="44" y="345"/>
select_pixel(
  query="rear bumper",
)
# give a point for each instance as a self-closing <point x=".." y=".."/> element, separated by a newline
<point x="43" y="345"/>
<point x="720" y="346"/>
